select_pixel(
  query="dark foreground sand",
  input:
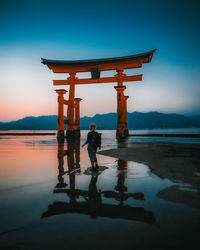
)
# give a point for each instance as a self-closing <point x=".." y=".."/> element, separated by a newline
<point x="178" y="162"/>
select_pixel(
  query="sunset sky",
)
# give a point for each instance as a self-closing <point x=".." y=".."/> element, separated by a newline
<point x="86" y="29"/>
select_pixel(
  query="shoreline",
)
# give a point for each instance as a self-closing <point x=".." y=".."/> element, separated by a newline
<point x="195" y="135"/>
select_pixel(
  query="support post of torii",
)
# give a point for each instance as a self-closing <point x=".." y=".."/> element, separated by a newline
<point x="122" y="129"/>
<point x="71" y="127"/>
<point x="77" y="114"/>
<point x="60" y="132"/>
<point x="73" y="114"/>
<point x="125" y="104"/>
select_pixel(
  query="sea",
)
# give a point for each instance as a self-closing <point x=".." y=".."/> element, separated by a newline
<point x="50" y="198"/>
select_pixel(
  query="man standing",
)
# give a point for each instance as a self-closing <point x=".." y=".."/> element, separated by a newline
<point x="94" y="142"/>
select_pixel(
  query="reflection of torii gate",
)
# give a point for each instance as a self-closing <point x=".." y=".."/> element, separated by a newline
<point x="94" y="66"/>
<point x="93" y="204"/>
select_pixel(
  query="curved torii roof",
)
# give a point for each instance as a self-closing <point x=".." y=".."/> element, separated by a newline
<point x="124" y="62"/>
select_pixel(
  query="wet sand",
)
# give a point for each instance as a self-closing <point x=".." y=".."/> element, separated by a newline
<point x="177" y="162"/>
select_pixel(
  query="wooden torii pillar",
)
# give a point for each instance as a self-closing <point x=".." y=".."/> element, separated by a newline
<point x="125" y="108"/>
<point x="60" y="132"/>
<point x="71" y="126"/>
<point x="122" y="125"/>
<point x="95" y="66"/>
<point x="73" y="111"/>
<point x="122" y="131"/>
<point x="77" y="113"/>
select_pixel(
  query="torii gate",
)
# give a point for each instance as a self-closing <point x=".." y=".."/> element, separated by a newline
<point x="95" y="66"/>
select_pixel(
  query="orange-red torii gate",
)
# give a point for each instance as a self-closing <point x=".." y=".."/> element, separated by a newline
<point x="95" y="66"/>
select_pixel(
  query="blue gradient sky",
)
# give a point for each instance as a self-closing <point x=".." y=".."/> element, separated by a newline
<point x="68" y="30"/>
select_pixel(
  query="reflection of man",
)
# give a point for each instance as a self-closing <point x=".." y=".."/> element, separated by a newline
<point x="94" y="197"/>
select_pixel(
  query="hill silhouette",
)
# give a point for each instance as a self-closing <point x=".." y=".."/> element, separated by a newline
<point x="136" y="120"/>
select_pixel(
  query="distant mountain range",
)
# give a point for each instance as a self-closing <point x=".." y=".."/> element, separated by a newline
<point x="136" y="120"/>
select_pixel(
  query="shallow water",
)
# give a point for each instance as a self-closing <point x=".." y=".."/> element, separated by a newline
<point x="107" y="134"/>
<point x="47" y="202"/>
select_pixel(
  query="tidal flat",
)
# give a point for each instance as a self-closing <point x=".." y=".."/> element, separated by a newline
<point x="145" y="196"/>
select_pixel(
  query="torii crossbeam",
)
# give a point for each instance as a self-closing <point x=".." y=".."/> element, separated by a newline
<point x="95" y="66"/>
